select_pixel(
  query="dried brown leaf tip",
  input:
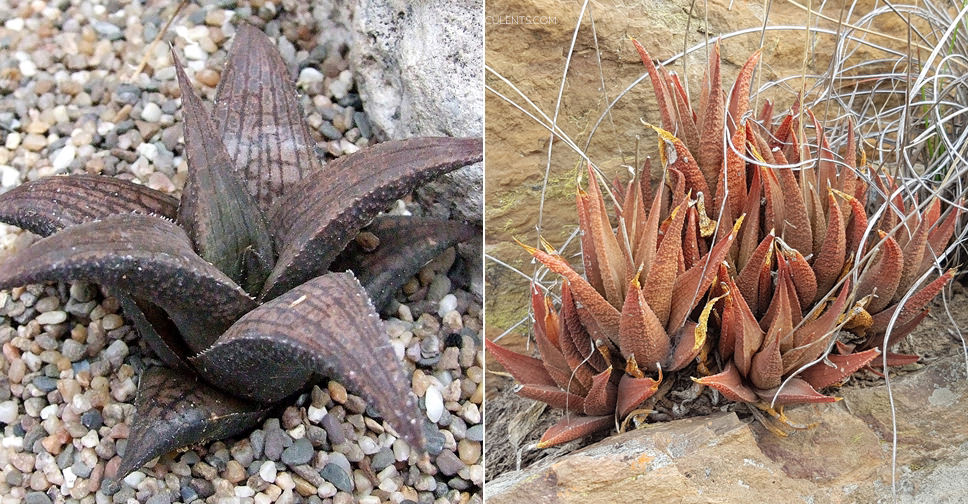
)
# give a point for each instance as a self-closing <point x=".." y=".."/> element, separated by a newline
<point x="229" y="285"/>
<point x="763" y="300"/>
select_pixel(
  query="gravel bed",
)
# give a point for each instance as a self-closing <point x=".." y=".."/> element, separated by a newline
<point x="72" y="102"/>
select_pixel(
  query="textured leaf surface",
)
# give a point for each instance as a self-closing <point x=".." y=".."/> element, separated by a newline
<point x="147" y="256"/>
<point x="406" y="245"/>
<point x="526" y="370"/>
<point x="796" y="391"/>
<point x="50" y="204"/>
<point x="221" y="218"/>
<point x="836" y="368"/>
<point x="573" y="427"/>
<point x="156" y="329"/>
<point x="325" y="326"/>
<point x="174" y="409"/>
<point x="329" y="206"/>
<point x="730" y="384"/>
<point x="632" y="392"/>
<point x="260" y="120"/>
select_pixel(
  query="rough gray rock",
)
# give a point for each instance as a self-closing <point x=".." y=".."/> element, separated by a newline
<point x="409" y="91"/>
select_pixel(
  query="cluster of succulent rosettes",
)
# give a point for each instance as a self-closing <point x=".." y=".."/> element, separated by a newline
<point x="230" y="285"/>
<point x="764" y="279"/>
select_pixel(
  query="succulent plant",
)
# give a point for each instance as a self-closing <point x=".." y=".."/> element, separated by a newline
<point x="229" y="286"/>
<point x="772" y="257"/>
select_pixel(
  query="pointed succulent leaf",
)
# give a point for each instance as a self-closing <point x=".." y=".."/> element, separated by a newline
<point x="260" y="119"/>
<point x="598" y="308"/>
<point x="766" y="368"/>
<point x="662" y="94"/>
<point x="913" y="306"/>
<point x="219" y="215"/>
<point x="730" y="384"/>
<point x="913" y="256"/>
<point x="796" y="391"/>
<point x="710" y="154"/>
<point x="581" y="341"/>
<point x="836" y="368"/>
<point x="526" y="370"/>
<point x="175" y="409"/>
<point x="662" y="276"/>
<point x="405" y="245"/>
<point x="641" y="335"/>
<point x="691" y="286"/>
<point x="553" y="396"/>
<point x="326" y="326"/>
<point x="49" y="204"/>
<point x="882" y="278"/>
<point x="830" y="262"/>
<point x="325" y="210"/>
<point x="589" y="256"/>
<point x="601" y="397"/>
<point x="147" y="256"/>
<point x="675" y="155"/>
<point x="739" y="95"/>
<point x="634" y="391"/>
<point x="572" y="427"/>
<point x="611" y="264"/>
<point x="156" y="329"/>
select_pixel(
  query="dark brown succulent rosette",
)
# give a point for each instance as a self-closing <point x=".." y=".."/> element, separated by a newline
<point x="231" y="285"/>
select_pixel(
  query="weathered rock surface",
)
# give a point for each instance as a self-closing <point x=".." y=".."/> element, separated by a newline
<point x="408" y="90"/>
<point x="845" y="458"/>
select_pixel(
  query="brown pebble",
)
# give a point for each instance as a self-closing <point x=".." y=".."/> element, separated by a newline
<point x="208" y="77"/>
<point x="304" y="487"/>
<point x="234" y="471"/>
<point x="337" y="391"/>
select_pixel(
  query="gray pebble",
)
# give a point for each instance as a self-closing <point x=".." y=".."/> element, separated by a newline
<point x="476" y="432"/>
<point x="160" y="498"/>
<point x="382" y="459"/>
<point x="44" y="383"/>
<point x="81" y="470"/>
<point x="338" y="477"/>
<point x="276" y="441"/>
<point x="301" y="452"/>
<point x="329" y="131"/>
<point x="37" y="498"/>
<point x="92" y="419"/>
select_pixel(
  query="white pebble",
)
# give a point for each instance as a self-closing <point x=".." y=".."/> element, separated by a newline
<point x="90" y="440"/>
<point x="62" y="159"/>
<point x="51" y="317"/>
<point x="149" y="151"/>
<point x="15" y="442"/>
<point x="13" y="140"/>
<point x="326" y="490"/>
<point x="9" y="176"/>
<point x="48" y="411"/>
<point x="134" y="478"/>
<point x="15" y="24"/>
<point x="244" y="491"/>
<point x="315" y="414"/>
<point x="69" y="478"/>
<point x="8" y="412"/>
<point x="268" y="471"/>
<point x="309" y="75"/>
<point x="447" y="304"/>
<point x="194" y="52"/>
<point x="28" y="68"/>
<point x="151" y="112"/>
<point x="435" y="404"/>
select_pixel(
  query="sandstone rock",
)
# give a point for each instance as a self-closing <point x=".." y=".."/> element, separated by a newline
<point x="846" y="457"/>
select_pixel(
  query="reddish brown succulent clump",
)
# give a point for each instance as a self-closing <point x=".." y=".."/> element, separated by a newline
<point x="772" y="258"/>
